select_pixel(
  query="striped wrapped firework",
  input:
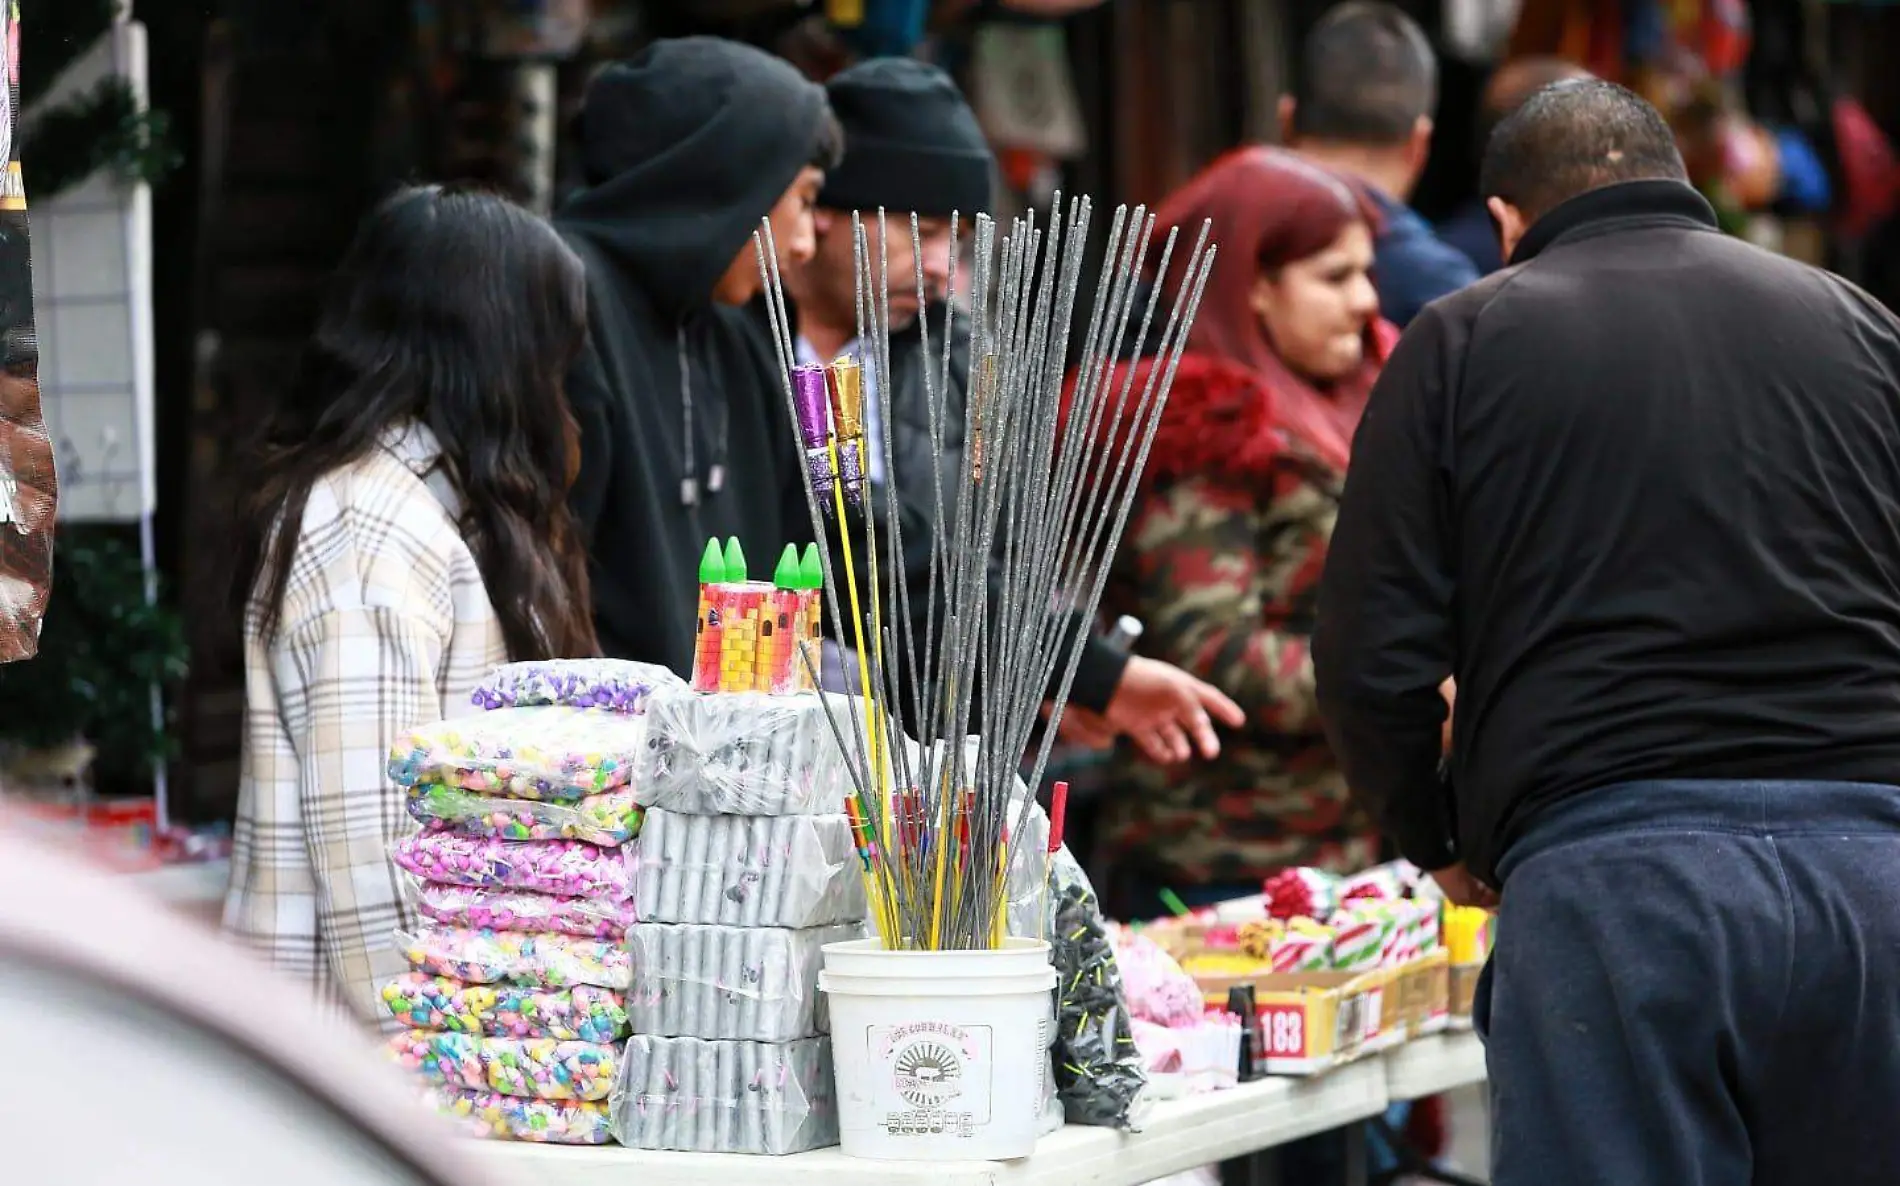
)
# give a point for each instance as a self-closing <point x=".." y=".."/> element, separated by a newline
<point x="1296" y="945"/>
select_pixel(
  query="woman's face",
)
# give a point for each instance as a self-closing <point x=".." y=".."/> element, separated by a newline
<point x="1316" y="310"/>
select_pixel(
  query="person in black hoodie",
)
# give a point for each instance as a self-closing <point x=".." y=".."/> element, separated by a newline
<point x="913" y="146"/>
<point x="684" y="432"/>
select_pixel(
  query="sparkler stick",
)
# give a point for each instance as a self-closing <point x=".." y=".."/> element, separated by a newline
<point x="1026" y="525"/>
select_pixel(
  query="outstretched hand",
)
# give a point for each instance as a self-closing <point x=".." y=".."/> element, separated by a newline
<point x="1168" y="713"/>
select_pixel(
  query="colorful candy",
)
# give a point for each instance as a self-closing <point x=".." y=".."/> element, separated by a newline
<point x="613" y="685"/>
<point x="552" y="753"/>
<point x="609" y="818"/>
<point x="515" y="910"/>
<point x="487" y="957"/>
<point x="512" y="1118"/>
<point x="583" y="1013"/>
<point x="569" y="868"/>
<point x="533" y="1068"/>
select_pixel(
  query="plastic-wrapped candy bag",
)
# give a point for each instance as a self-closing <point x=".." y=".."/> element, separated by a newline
<point x="610" y="818"/>
<point x="579" y="1014"/>
<point x="489" y="957"/>
<point x="519" y="910"/>
<point x="532" y="1068"/>
<point x="614" y="685"/>
<point x="560" y="754"/>
<point x="501" y="1117"/>
<point x="565" y="867"/>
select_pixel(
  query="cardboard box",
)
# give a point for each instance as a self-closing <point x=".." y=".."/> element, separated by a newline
<point x="1313" y="1021"/>
<point x="1464" y="989"/>
<point x="1424" y="995"/>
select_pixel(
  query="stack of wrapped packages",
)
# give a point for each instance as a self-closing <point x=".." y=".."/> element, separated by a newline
<point x="516" y="1009"/>
<point x="745" y="869"/>
<point x="1308" y="920"/>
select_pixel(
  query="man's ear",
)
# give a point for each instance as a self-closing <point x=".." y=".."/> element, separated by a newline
<point x="1285" y="112"/>
<point x="1510" y="223"/>
<point x="822" y="220"/>
<point x="1418" y="149"/>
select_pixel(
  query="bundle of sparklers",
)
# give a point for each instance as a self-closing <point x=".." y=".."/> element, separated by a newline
<point x="1028" y="517"/>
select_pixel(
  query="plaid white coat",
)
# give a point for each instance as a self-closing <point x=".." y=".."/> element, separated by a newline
<point x="386" y="625"/>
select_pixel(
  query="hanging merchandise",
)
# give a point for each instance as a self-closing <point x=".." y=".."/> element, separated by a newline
<point x="533" y="28"/>
<point x="1024" y="92"/>
<point x="1476" y="30"/>
<point x="880" y="28"/>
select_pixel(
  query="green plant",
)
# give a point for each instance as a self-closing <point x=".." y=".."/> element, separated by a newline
<point x="103" y="128"/>
<point x="103" y="646"/>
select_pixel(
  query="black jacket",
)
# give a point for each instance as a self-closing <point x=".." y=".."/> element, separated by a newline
<point x="708" y="164"/>
<point x="1640" y="492"/>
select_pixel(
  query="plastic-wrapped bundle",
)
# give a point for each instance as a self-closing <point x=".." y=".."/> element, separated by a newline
<point x="534" y="1068"/>
<point x="558" y="754"/>
<point x="565" y="867"/>
<point x="1157" y="989"/>
<point x="750" y="871"/>
<point x="512" y="1118"/>
<point x="579" y="1014"/>
<point x="1098" y="1067"/>
<point x="609" y="818"/>
<point x="741" y="754"/>
<point x="517" y="957"/>
<point x="725" y="1097"/>
<point x="518" y="910"/>
<point x="756" y="984"/>
<point x="613" y="685"/>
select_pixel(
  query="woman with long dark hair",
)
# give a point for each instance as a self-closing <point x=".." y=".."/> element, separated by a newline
<point x="404" y="529"/>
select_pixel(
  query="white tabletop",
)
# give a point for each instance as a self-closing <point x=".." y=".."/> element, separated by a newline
<point x="1176" y="1135"/>
<point x="1430" y="1066"/>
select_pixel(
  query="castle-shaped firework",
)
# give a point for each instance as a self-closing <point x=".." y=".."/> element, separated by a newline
<point x="751" y="633"/>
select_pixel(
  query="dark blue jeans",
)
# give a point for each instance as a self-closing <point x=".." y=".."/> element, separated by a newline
<point x="1698" y="984"/>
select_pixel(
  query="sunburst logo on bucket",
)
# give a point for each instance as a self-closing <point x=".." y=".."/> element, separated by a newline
<point x="928" y="1074"/>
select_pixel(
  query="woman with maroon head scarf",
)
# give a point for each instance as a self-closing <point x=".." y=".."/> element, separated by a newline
<point x="1222" y="556"/>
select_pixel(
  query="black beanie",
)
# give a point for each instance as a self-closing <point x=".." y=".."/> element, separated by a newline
<point x="911" y="142"/>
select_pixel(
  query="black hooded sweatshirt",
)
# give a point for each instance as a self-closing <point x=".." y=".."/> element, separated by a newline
<point x="685" y="148"/>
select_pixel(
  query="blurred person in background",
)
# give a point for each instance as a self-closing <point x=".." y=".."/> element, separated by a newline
<point x="1470" y="228"/>
<point x="1639" y="492"/>
<point x="1366" y="90"/>
<point x="1228" y="534"/>
<point x="28" y="484"/>
<point x="685" y="436"/>
<point x="913" y="146"/>
<point x="405" y="529"/>
<point x="202" y="1039"/>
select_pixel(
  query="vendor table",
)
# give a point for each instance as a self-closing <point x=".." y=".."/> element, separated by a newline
<point x="1432" y="1066"/>
<point x="1176" y="1135"/>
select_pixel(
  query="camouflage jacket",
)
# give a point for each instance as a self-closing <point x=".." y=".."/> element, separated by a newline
<point x="1221" y="561"/>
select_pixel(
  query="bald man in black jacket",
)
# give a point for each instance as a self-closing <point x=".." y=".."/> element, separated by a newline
<point x="1640" y="493"/>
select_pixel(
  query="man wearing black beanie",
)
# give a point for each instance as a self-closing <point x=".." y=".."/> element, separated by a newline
<point x="913" y="146"/>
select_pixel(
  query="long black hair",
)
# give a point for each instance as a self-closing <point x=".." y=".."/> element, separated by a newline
<point x="457" y="310"/>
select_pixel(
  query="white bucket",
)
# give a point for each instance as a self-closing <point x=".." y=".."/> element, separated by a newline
<point x="939" y="1054"/>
